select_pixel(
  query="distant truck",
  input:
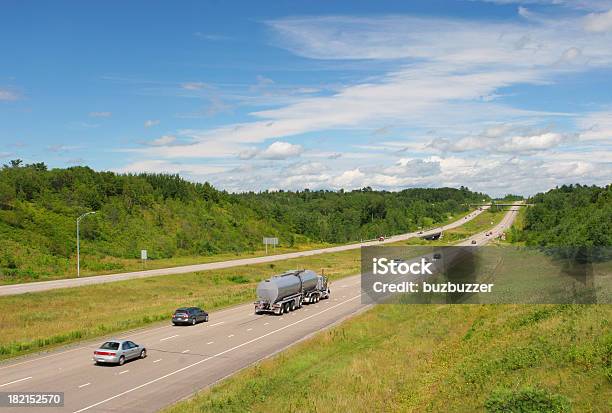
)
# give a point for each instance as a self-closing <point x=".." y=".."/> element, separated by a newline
<point x="289" y="291"/>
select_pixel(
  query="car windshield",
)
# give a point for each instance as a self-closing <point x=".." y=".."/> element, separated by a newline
<point x="181" y="310"/>
<point x="110" y="345"/>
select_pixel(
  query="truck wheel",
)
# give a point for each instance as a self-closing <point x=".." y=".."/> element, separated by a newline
<point x="292" y="306"/>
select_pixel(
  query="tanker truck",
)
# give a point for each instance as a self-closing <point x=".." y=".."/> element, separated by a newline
<point x="288" y="291"/>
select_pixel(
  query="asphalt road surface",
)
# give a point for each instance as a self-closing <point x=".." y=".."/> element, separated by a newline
<point x="181" y="360"/>
<point x="99" y="279"/>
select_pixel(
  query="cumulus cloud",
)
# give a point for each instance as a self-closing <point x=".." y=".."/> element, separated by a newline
<point x="275" y="151"/>
<point x="599" y="22"/>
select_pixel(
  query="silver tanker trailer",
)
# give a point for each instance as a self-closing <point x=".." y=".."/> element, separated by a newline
<point x="288" y="291"/>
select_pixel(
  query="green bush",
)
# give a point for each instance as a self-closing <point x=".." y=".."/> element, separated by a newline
<point x="526" y="400"/>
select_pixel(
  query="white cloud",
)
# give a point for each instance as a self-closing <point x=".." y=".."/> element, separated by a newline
<point x="517" y="144"/>
<point x="446" y="81"/>
<point x="163" y="140"/>
<point x="193" y="85"/>
<point x="9" y="95"/>
<point x="198" y="171"/>
<point x="576" y="4"/>
<point x="100" y="114"/>
<point x="150" y="123"/>
<point x="598" y="22"/>
<point x="276" y="151"/>
<point x="596" y="126"/>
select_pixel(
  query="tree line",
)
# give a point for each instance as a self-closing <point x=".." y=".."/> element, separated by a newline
<point x="172" y="217"/>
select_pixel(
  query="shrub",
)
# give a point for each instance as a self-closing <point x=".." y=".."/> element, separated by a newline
<point x="526" y="400"/>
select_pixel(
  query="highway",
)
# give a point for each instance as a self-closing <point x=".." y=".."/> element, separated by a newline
<point x="182" y="360"/>
<point x="99" y="279"/>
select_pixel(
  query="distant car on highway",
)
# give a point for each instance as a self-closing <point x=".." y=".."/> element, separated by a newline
<point x="473" y="241"/>
<point x="381" y="238"/>
<point x="118" y="352"/>
<point x="189" y="315"/>
<point x="437" y="256"/>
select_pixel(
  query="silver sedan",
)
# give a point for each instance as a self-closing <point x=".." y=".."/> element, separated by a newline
<point x="118" y="352"/>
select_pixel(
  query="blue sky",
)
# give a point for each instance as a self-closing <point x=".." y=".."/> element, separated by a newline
<point x="500" y="95"/>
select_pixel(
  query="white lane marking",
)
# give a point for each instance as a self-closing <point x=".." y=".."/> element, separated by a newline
<point x="265" y="324"/>
<point x="185" y="351"/>
<point x="213" y="356"/>
<point x="15" y="381"/>
<point x="124" y="371"/>
<point x="168" y="338"/>
<point x="230" y="336"/>
<point x="210" y="342"/>
<point x="157" y="361"/>
<point x="134" y="334"/>
<point x="249" y="329"/>
<point x="84" y="385"/>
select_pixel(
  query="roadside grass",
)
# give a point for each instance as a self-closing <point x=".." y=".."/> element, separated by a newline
<point x="48" y="269"/>
<point x="40" y="321"/>
<point x="414" y="358"/>
<point x="35" y="321"/>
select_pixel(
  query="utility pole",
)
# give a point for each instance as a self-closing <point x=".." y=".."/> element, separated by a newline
<point x="79" y="242"/>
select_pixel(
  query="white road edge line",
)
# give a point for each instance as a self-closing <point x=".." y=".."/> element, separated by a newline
<point x="213" y="356"/>
<point x="210" y="342"/>
<point x="157" y="361"/>
<point x="15" y="381"/>
<point x="249" y="329"/>
<point x="185" y="351"/>
<point x="168" y="338"/>
<point x="124" y="371"/>
<point x="84" y="385"/>
<point x="230" y="336"/>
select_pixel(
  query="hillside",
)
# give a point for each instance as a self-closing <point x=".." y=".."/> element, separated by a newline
<point x="570" y="215"/>
<point x="174" y="218"/>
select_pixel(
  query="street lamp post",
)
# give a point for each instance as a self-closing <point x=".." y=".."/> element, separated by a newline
<point x="79" y="243"/>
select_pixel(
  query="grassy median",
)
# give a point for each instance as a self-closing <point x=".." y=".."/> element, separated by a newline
<point x="37" y="321"/>
<point x="415" y="358"/>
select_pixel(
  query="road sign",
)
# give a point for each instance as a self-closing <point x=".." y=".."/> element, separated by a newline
<point x="143" y="254"/>
<point x="270" y="241"/>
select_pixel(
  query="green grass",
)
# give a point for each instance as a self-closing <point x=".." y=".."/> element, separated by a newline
<point x="36" y="321"/>
<point x="418" y="358"/>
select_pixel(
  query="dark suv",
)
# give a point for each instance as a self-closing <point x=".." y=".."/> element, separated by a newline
<point x="189" y="315"/>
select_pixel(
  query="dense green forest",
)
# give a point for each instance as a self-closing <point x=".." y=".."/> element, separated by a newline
<point x="570" y="215"/>
<point x="171" y="217"/>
